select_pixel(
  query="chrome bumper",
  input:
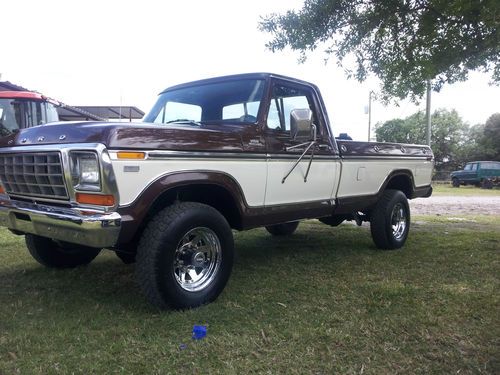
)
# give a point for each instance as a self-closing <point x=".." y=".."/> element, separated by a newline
<point x="95" y="229"/>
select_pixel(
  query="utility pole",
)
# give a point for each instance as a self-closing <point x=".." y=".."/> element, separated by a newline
<point x="369" y="114"/>
<point x="428" y="112"/>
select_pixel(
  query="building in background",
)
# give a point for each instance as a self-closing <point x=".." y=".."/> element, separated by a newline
<point x="24" y="106"/>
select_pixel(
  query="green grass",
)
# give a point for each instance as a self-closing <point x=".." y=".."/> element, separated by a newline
<point x="447" y="189"/>
<point x="322" y="301"/>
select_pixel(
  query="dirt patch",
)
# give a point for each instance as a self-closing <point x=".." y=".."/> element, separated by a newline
<point x="448" y="205"/>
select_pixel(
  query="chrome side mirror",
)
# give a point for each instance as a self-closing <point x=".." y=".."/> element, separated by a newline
<point x="301" y="126"/>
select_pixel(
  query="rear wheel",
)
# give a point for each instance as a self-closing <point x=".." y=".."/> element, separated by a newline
<point x="487" y="184"/>
<point x="185" y="256"/>
<point x="284" y="229"/>
<point x="59" y="254"/>
<point x="390" y="220"/>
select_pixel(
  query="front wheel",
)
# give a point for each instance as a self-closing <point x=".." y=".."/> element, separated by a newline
<point x="185" y="256"/>
<point x="390" y="220"/>
<point x="455" y="182"/>
<point x="59" y="254"/>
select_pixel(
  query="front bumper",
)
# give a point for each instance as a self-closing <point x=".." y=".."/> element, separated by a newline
<point x="94" y="229"/>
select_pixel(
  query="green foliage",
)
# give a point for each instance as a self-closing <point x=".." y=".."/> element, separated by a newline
<point x="491" y="139"/>
<point x="450" y="135"/>
<point x="404" y="43"/>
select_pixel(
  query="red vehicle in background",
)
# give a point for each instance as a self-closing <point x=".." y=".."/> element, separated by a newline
<point x="24" y="109"/>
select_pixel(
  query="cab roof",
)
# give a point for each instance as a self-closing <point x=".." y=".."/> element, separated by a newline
<point x="21" y="95"/>
<point x="234" y="77"/>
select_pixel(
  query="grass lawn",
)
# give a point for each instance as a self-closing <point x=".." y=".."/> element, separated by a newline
<point x="322" y="301"/>
<point x="447" y="189"/>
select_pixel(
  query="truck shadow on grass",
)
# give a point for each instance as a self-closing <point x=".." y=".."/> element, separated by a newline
<point x="109" y="283"/>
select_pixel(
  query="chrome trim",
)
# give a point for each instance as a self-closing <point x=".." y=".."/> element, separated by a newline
<point x="398" y="221"/>
<point x="34" y="174"/>
<point x="168" y="154"/>
<point x="84" y="227"/>
<point x="279" y="157"/>
<point x="108" y="180"/>
<point x="197" y="259"/>
<point x="381" y="157"/>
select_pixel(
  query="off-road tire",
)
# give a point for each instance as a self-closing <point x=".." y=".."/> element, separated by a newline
<point x="58" y="254"/>
<point x="385" y="214"/>
<point x="455" y="182"/>
<point x="284" y="229"/>
<point x="159" y="245"/>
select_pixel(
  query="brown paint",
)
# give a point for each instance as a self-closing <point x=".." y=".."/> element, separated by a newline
<point x="382" y="149"/>
<point x="134" y="214"/>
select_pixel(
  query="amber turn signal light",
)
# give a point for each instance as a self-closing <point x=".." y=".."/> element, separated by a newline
<point x="95" y="199"/>
<point x="131" y="155"/>
<point x="2" y="190"/>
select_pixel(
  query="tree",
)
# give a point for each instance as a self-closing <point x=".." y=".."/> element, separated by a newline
<point x="491" y="138"/>
<point x="403" y="42"/>
<point x="450" y="135"/>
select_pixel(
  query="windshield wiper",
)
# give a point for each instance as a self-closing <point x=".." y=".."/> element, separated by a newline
<point x="184" y="121"/>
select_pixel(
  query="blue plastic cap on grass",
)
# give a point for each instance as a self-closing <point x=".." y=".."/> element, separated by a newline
<point x="199" y="332"/>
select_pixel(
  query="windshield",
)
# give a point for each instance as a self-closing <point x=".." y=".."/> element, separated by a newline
<point x="10" y="116"/>
<point x="231" y="101"/>
<point x="17" y="114"/>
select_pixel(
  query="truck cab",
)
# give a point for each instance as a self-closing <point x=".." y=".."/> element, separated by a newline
<point x="25" y="109"/>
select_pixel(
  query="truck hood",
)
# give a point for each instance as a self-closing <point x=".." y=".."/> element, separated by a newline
<point x="132" y="136"/>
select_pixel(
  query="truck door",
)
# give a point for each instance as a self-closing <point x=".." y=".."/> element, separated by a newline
<point x="300" y="185"/>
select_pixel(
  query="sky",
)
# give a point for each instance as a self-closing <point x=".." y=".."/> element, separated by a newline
<point x="125" y="52"/>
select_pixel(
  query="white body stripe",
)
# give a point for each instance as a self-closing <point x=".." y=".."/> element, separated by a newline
<point x="320" y="185"/>
<point x="365" y="177"/>
<point x="261" y="179"/>
<point x="250" y="175"/>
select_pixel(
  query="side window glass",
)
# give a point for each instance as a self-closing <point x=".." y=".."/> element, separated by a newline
<point x="52" y="115"/>
<point x="283" y="101"/>
<point x="474" y="167"/>
<point x="41" y="117"/>
<point x="468" y="167"/>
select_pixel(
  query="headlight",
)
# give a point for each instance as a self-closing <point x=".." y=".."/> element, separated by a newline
<point x="85" y="171"/>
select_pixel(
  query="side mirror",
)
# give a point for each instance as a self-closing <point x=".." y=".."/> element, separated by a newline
<point x="301" y="125"/>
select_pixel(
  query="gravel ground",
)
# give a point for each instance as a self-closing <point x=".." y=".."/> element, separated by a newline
<point x="446" y="205"/>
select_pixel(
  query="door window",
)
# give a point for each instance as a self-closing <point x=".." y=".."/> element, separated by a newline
<point x="285" y="99"/>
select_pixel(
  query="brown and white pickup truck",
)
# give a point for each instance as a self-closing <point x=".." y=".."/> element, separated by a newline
<point x="212" y="156"/>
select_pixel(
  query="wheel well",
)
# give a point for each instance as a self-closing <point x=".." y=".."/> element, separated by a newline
<point x="209" y="194"/>
<point x="401" y="182"/>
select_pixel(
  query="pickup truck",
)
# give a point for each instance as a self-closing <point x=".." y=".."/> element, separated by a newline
<point x="479" y="173"/>
<point x="212" y="156"/>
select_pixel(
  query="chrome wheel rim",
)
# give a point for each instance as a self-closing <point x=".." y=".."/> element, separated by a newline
<point x="197" y="259"/>
<point x="398" y="221"/>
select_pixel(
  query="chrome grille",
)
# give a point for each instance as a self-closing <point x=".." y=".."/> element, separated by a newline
<point x="33" y="174"/>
